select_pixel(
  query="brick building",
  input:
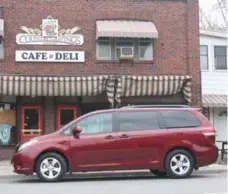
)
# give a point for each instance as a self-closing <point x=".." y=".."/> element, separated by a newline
<point x="63" y="58"/>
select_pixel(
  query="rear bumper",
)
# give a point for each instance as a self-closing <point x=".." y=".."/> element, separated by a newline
<point x="22" y="164"/>
<point x="208" y="157"/>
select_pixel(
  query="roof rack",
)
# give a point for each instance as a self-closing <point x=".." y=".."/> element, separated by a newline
<point x="157" y="106"/>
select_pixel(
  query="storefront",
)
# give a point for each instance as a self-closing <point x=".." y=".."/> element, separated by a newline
<point x="58" y="65"/>
<point x="41" y="105"/>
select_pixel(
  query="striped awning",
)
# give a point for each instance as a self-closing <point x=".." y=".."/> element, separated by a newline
<point x="56" y="86"/>
<point x="211" y="100"/>
<point x="114" y="86"/>
<point x="126" y="28"/>
<point x="1" y="28"/>
<point x="154" y="86"/>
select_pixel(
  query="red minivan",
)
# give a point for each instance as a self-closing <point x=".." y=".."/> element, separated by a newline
<point x="169" y="141"/>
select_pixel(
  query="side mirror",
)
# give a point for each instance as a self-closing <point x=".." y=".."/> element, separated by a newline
<point x="77" y="131"/>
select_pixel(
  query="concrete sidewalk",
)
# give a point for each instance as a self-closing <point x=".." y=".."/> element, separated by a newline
<point x="6" y="169"/>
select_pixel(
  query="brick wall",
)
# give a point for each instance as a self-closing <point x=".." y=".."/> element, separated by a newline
<point x="176" y="50"/>
<point x="6" y="153"/>
<point x="49" y="115"/>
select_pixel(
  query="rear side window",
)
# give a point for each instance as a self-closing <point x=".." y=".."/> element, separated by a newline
<point x="180" y="119"/>
<point x="137" y="120"/>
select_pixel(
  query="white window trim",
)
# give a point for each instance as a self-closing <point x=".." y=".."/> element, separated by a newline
<point x="113" y="46"/>
<point x="97" y="50"/>
<point x="2" y="47"/>
<point x="214" y="66"/>
<point x="205" y="70"/>
<point x="142" y="59"/>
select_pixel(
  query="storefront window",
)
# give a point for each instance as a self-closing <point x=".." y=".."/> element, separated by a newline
<point x="7" y="124"/>
<point x="31" y="121"/>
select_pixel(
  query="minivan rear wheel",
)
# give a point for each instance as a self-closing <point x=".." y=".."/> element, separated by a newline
<point x="179" y="163"/>
<point x="51" y="167"/>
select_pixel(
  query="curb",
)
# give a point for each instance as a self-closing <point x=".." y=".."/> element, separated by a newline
<point x="203" y="170"/>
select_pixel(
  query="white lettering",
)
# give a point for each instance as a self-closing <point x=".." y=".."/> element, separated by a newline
<point x="27" y="39"/>
<point x="50" y="56"/>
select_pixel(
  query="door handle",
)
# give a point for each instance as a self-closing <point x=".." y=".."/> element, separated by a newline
<point x="109" y="137"/>
<point x="124" y="136"/>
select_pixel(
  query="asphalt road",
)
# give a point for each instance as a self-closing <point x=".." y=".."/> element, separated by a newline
<point x="127" y="183"/>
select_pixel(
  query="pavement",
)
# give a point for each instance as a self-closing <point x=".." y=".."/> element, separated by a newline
<point x="207" y="180"/>
<point x="201" y="182"/>
<point x="6" y="169"/>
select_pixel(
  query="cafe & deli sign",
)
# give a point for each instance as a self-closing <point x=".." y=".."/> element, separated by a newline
<point x="49" y="56"/>
<point x="49" y="33"/>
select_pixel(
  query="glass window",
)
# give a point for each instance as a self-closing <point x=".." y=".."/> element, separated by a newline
<point x="220" y="57"/>
<point x="8" y="135"/>
<point x="104" y="49"/>
<point x="110" y="48"/>
<point x="204" y="57"/>
<point x="66" y="116"/>
<point x="31" y="121"/>
<point x="145" y="50"/>
<point x="1" y="49"/>
<point x="179" y="119"/>
<point x="137" y="121"/>
<point x="98" y="123"/>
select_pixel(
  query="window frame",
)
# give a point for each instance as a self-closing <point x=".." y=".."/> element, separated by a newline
<point x="160" y="122"/>
<point x="215" y="65"/>
<point x="163" y="119"/>
<point x="135" y="45"/>
<point x="3" y="48"/>
<point x="97" y="50"/>
<point x="207" y="55"/>
<point x="152" y="48"/>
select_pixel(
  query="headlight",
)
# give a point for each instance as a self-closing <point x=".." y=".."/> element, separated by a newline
<point x="26" y="144"/>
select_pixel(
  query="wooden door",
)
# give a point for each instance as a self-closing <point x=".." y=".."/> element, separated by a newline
<point x="65" y="114"/>
<point x="31" y="122"/>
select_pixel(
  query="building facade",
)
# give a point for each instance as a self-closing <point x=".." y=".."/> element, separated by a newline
<point x="213" y="54"/>
<point x="61" y="59"/>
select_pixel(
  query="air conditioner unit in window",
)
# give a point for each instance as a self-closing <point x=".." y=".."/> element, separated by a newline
<point x="127" y="53"/>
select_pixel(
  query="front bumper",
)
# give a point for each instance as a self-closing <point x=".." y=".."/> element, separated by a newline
<point x="22" y="163"/>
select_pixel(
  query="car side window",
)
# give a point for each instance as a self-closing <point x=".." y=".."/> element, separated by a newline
<point x="95" y="124"/>
<point x="137" y="120"/>
<point x="180" y="119"/>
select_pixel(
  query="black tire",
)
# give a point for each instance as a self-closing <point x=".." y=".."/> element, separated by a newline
<point x="159" y="173"/>
<point x="176" y="152"/>
<point x="56" y="156"/>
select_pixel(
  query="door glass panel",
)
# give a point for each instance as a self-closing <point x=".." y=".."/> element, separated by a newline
<point x="31" y="121"/>
<point x="66" y="116"/>
<point x="99" y="123"/>
<point x="137" y="121"/>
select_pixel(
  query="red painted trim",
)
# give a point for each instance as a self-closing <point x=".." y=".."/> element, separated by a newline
<point x="60" y="107"/>
<point x="40" y="110"/>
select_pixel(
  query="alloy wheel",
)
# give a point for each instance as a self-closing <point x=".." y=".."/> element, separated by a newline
<point x="50" y="168"/>
<point x="180" y="164"/>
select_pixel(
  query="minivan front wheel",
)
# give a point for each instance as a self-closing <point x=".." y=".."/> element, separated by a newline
<point x="51" y="167"/>
<point x="179" y="163"/>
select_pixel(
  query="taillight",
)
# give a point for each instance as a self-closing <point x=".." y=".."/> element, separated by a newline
<point x="210" y="134"/>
